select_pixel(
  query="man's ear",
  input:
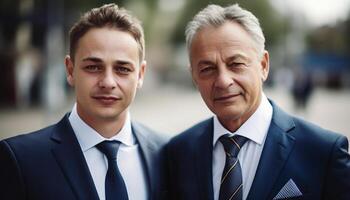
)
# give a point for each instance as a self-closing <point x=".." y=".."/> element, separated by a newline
<point x="265" y="65"/>
<point x="69" y="70"/>
<point x="141" y="74"/>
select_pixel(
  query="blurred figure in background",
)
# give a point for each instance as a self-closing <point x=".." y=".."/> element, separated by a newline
<point x="96" y="151"/>
<point x="251" y="149"/>
<point x="28" y="70"/>
<point x="302" y="88"/>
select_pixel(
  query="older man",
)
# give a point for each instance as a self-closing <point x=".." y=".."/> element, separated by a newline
<point x="250" y="149"/>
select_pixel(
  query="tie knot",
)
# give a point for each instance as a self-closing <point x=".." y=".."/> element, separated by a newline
<point x="109" y="148"/>
<point x="232" y="144"/>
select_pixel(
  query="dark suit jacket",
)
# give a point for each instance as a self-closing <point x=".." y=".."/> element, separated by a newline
<point x="315" y="159"/>
<point x="49" y="164"/>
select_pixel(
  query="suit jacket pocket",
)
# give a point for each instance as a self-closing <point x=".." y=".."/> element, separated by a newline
<point x="304" y="197"/>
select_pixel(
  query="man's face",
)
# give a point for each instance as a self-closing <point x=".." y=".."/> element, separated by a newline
<point x="228" y="72"/>
<point x="106" y="74"/>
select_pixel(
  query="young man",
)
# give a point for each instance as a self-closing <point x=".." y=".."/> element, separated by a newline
<point x="250" y="149"/>
<point x="96" y="151"/>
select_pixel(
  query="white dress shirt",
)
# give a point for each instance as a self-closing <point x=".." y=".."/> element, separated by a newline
<point x="255" y="129"/>
<point x="128" y="158"/>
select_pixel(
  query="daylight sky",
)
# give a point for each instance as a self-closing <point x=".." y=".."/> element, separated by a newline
<point x="316" y="12"/>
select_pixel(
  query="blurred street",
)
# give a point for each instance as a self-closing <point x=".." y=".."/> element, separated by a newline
<point x="308" y="42"/>
<point x="170" y="110"/>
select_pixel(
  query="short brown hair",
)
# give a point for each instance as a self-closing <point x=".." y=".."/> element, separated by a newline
<point x="109" y="15"/>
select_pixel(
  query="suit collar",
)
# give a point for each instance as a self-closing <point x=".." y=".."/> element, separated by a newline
<point x="278" y="145"/>
<point x="72" y="162"/>
<point x="203" y="149"/>
<point x="143" y="135"/>
<point x="70" y="158"/>
<point x="281" y="119"/>
<point x="255" y="128"/>
<point x="149" y="149"/>
<point x="89" y="137"/>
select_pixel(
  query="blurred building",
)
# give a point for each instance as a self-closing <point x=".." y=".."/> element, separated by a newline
<point x="34" y="34"/>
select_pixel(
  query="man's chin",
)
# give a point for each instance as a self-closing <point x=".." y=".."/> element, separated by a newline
<point x="229" y="113"/>
<point x="108" y="115"/>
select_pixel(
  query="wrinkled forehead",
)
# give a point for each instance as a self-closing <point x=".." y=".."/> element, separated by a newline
<point x="228" y="37"/>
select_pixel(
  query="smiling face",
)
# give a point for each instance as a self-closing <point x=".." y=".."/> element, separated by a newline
<point x="228" y="72"/>
<point x="105" y="73"/>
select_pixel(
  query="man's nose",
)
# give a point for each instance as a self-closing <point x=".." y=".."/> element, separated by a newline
<point x="108" y="80"/>
<point x="223" y="79"/>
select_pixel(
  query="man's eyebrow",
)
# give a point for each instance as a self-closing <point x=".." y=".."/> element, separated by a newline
<point x="92" y="59"/>
<point x="99" y="60"/>
<point x="123" y="62"/>
<point x="238" y="56"/>
<point x="204" y="62"/>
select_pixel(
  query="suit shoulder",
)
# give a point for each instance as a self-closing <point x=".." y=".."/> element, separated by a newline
<point x="189" y="135"/>
<point x="304" y="131"/>
<point x="315" y="133"/>
<point x="31" y="137"/>
<point x="149" y="134"/>
<point x="29" y="142"/>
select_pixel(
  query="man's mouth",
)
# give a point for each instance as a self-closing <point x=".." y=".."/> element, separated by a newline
<point x="226" y="97"/>
<point x="106" y="99"/>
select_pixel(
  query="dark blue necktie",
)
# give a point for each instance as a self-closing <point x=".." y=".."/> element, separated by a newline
<point x="114" y="184"/>
<point x="231" y="180"/>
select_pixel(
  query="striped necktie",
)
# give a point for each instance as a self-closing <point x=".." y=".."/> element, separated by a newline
<point x="231" y="181"/>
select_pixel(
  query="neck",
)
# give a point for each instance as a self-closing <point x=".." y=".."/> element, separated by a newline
<point x="107" y="127"/>
<point x="231" y="125"/>
<point x="234" y="123"/>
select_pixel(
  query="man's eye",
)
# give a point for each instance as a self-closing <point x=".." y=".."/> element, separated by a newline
<point x="92" y="68"/>
<point x="206" y="69"/>
<point x="122" y="70"/>
<point x="236" y="64"/>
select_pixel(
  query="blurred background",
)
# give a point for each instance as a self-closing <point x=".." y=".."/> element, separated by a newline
<point x="308" y="41"/>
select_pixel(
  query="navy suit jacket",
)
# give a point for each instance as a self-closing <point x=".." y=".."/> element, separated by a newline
<point x="315" y="159"/>
<point x="49" y="164"/>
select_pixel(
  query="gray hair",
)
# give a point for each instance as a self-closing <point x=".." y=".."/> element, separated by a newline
<point x="214" y="15"/>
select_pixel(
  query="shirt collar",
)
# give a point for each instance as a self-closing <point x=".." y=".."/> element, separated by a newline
<point x="255" y="128"/>
<point x="88" y="137"/>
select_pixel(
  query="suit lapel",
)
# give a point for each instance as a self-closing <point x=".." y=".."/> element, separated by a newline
<point x="277" y="148"/>
<point x="148" y="152"/>
<point x="70" y="158"/>
<point x="203" y="160"/>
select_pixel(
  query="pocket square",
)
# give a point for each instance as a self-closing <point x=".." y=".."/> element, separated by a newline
<point x="289" y="190"/>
